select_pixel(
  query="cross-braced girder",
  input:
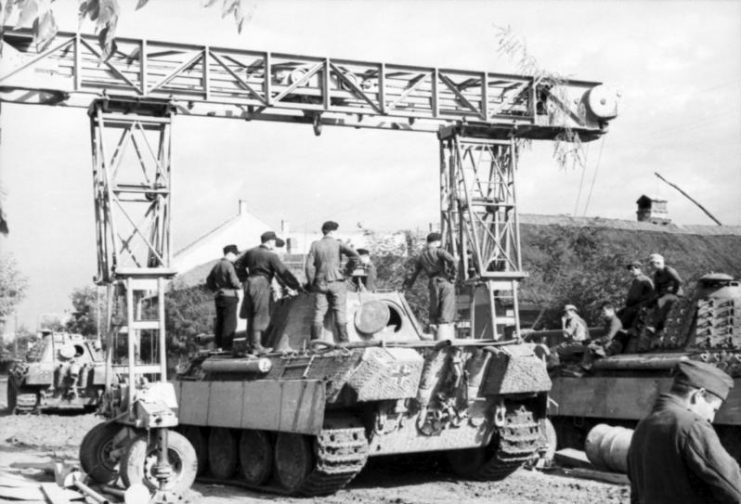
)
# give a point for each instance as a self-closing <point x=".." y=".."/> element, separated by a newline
<point x="131" y="186"/>
<point x="480" y="227"/>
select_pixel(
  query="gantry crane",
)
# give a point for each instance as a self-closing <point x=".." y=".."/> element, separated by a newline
<point x="133" y="96"/>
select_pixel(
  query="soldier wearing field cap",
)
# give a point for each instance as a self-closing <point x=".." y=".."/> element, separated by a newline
<point x="640" y="294"/>
<point x="223" y="281"/>
<point x="325" y="277"/>
<point x="440" y="268"/>
<point x="258" y="266"/>
<point x="675" y="455"/>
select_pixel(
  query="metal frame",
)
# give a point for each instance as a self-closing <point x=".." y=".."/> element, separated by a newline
<point x="238" y="83"/>
<point x="131" y="187"/>
<point x="480" y="227"/>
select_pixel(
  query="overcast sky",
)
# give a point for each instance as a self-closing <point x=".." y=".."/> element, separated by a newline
<point x="676" y="64"/>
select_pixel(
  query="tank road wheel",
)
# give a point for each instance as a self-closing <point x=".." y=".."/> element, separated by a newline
<point x="98" y="456"/>
<point x="255" y="456"/>
<point x="294" y="460"/>
<point x="222" y="452"/>
<point x="138" y="464"/>
<point x="195" y="436"/>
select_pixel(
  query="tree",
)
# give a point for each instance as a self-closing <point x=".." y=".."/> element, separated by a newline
<point x="89" y="311"/>
<point x="39" y="14"/>
<point x="12" y="287"/>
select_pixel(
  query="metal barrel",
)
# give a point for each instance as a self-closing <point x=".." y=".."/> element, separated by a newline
<point x="260" y="365"/>
<point x="607" y="447"/>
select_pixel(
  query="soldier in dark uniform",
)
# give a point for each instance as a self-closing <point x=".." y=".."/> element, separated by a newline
<point x="668" y="286"/>
<point x="675" y="455"/>
<point x="362" y="273"/>
<point x="223" y="281"/>
<point x="259" y="266"/>
<point x="440" y="268"/>
<point x="640" y="294"/>
<point x="325" y="277"/>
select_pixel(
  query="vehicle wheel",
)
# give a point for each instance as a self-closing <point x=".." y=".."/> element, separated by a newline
<point x="195" y="436"/>
<point x="294" y="460"/>
<point x="139" y="462"/>
<point x="222" y="452"/>
<point x="97" y="454"/>
<point x="466" y="463"/>
<point x="255" y="456"/>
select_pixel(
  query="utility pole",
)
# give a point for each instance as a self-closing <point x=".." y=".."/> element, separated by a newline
<point x="690" y="198"/>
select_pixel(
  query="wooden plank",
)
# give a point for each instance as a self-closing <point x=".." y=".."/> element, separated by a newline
<point x="56" y="495"/>
<point x="590" y="474"/>
<point x="570" y="457"/>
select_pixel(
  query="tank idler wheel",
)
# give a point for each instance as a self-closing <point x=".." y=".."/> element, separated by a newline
<point x="98" y="456"/>
<point x="222" y="452"/>
<point x="255" y="456"/>
<point x="139" y="462"/>
<point x="294" y="460"/>
<point x="468" y="462"/>
<point x="194" y="434"/>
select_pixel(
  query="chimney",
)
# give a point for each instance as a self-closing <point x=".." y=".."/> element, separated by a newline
<point x="285" y="229"/>
<point x="653" y="210"/>
<point x="242" y="207"/>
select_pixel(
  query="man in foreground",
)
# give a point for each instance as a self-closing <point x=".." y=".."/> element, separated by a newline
<point x="440" y="268"/>
<point x="261" y="264"/>
<point x="675" y="455"/>
<point x="325" y="277"/>
<point x="222" y="280"/>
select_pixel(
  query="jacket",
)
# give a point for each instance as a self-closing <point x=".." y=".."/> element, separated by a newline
<point x="323" y="262"/>
<point x="675" y="457"/>
<point x="222" y="279"/>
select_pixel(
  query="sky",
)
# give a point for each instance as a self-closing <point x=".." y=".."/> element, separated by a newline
<point x="677" y="66"/>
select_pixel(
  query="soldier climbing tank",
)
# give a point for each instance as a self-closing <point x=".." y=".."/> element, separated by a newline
<point x="704" y="325"/>
<point x="62" y="372"/>
<point x="306" y="418"/>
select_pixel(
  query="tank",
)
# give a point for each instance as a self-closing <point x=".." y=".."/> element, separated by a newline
<point x="306" y="418"/>
<point x="705" y="325"/>
<point x="62" y="371"/>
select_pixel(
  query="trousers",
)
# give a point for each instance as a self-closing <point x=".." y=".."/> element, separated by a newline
<point x="226" y="321"/>
<point x="257" y="303"/>
<point x="442" y="301"/>
<point x="334" y="297"/>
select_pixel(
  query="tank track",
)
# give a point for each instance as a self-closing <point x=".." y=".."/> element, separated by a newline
<point x="518" y="440"/>
<point x="340" y="455"/>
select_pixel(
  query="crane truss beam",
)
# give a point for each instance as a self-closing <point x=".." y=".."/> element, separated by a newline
<point x="480" y="228"/>
<point x="131" y="187"/>
<point x="257" y="85"/>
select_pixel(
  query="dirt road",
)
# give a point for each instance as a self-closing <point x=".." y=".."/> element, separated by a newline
<point x="411" y="480"/>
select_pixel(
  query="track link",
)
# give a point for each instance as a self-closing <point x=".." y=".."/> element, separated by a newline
<point x="518" y="440"/>
<point x="340" y="455"/>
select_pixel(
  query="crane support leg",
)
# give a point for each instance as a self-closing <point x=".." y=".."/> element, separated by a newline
<point x="480" y="227"/>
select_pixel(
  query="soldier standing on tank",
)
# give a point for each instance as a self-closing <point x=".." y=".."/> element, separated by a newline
<point x="260" y="265"/>
<point x="325" y="278"/>
<point x="640" y="294"/>
<point x="668" y="287"/>
<point x="223" y="281"/>
<point x="675" y="455"/>
<point x="362" y="273"/>
<point x="440" y="268"/>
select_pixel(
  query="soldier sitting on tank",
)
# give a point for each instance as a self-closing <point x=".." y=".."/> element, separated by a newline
<point x="668" y="287"/>
<point x="575" y="336"/>
<point x="612" y="342"/>
<point x="640" y="294"/>
<point x="362" y="273"/>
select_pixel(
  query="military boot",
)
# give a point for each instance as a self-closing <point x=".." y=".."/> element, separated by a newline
<point x="342" y="334"/>
<point x="256" y="343"/>
<point x="316" y="332"/>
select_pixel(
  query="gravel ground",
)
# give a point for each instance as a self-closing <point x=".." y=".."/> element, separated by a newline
<point x="399" y="480"/>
